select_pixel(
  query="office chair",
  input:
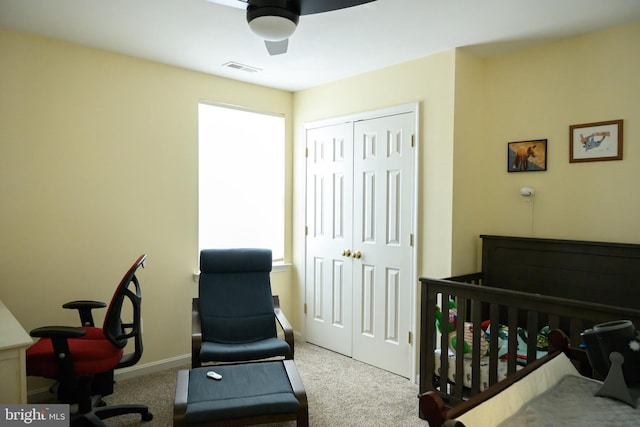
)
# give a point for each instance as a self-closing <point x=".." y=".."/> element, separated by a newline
<point x="233" y="316"/>
<point x="82" y="360"/>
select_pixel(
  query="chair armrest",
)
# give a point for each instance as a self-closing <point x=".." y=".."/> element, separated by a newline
<point x="285" y="325"/>
<point x="84" y="308"/>
<point x="196" y="334"/>
<point x="59" y="336"/>
<point x="57" y="332"/>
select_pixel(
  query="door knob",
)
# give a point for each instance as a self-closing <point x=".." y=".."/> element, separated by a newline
<point x="357" y="254"/>
<point x="346" y="252"/>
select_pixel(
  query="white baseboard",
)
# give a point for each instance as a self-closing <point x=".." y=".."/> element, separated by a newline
<point x="152" y="367"/>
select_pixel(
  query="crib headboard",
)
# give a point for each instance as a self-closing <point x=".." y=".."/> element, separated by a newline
<point x="606" y="273"/>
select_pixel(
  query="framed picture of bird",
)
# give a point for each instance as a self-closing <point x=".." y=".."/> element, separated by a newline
<point x="593" y="142"/>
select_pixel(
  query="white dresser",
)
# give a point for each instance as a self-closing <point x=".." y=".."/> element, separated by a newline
<point x="14" y="341"/>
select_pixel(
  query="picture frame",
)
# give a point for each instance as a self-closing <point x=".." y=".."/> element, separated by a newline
<point x="527" y="156"/>
<point x="592" y="142"/>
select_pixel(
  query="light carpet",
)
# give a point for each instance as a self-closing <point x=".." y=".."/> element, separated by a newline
<point x="340" y="392"/>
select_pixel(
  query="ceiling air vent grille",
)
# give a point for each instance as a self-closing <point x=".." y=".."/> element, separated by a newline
<point x="242" y="67"/>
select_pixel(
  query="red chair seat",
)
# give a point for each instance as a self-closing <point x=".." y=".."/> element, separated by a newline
<point x="93" y="333"/>
<point x="92" y="354"/>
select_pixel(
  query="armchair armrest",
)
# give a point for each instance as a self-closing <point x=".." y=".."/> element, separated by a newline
<point x="182" y="395"/>
<point x="196" y="334"/>
<point x="84" y="308"/>
<point x="284" y="324"/>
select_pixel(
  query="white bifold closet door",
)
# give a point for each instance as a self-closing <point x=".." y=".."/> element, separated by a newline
<point x="359" y="254"/>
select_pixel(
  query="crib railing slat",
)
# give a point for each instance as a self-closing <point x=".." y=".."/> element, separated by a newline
<point x="494" y="313"/>
<point x="476" y="319"/>
<point x="532" y="337"/>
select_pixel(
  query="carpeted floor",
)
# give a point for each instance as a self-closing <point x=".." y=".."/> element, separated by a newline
<point x="340" y="392"/>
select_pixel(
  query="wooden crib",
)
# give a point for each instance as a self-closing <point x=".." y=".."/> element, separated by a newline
<point x="526" y="285"/>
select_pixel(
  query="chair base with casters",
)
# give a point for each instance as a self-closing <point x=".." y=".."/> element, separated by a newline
<point x="100" y="411"/>
<point x="82" y="359"/>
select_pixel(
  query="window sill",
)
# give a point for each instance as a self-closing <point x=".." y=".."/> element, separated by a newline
<point x="280" y="267"/>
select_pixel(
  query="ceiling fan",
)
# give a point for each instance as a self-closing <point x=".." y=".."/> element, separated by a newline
<point x="275" y="20"/>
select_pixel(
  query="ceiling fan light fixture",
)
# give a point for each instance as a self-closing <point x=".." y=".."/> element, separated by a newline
<point x="272" y="23"/>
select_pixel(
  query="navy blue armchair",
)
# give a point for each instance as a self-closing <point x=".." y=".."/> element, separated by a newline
<point x="234" y="317"/>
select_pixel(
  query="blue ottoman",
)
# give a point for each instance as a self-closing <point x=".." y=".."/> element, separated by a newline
<point x="247" y="394"/>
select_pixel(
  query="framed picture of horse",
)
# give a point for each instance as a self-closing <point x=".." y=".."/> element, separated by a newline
<point x="527" y="156"/>
<point x="593" y="142"/>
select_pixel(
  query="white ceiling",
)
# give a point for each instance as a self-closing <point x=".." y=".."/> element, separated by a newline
<point x="202" y="36"/>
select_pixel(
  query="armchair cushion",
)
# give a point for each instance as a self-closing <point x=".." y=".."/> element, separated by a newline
<point x="243" y="309"/>
<point x="263" y="349"/>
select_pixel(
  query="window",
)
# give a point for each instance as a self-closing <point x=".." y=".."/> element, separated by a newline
<point x="241" y="179"/>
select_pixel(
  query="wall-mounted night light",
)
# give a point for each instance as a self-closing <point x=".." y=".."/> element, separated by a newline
<point x="526" y="192"/>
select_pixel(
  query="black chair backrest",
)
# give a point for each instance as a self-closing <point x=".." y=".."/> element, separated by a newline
<point x="117" y="331"/>
<point x="235" y="299"/>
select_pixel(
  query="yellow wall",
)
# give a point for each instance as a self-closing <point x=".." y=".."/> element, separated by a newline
<point x="469" y="150"/>
<point x="98" y="163"/>
<point x="481" y="105"/>
<point x="470" y="109"/>
<point x="538" y="93"/>
<point x="429" y="81"/>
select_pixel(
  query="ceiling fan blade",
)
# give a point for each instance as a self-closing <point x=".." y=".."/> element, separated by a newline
<point x="238" y="4"/>
<point x="309" y="7"/>
<point x="277" y="48"/>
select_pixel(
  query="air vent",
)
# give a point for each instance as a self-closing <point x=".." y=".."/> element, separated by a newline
<point x="238" y="66"/>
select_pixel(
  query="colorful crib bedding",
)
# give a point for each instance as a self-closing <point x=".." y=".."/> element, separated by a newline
<point x="484" y="369"/>
<point x="503" y="333"/>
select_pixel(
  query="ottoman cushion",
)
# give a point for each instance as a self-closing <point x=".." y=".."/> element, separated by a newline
<point x="244" y="390"/>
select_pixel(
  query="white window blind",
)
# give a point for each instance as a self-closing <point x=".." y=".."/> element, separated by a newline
<point x="241" y="179"/>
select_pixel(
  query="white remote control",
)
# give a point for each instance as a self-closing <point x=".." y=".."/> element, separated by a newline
<point x="214" y="375"/>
